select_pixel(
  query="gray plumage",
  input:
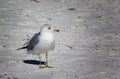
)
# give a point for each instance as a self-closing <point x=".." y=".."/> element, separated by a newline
<point x="31" y="44"/>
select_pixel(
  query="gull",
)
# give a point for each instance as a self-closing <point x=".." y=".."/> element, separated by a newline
<point x="42" y="42"/>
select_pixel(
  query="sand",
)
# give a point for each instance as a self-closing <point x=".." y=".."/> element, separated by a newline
<point x="87" y="46"/>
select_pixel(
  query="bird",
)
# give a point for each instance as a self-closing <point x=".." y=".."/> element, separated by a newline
<point x="42" y="42"/>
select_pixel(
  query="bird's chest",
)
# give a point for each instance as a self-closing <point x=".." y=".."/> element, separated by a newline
<point x="46" y="41"/>
<point x="47" y="38"/>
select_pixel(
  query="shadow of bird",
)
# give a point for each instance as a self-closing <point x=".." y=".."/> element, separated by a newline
<point x="34" y="62"/>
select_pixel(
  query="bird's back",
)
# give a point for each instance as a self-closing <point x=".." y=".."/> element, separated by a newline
<point x="31" y="44"/>
<point x="34" y="41"/>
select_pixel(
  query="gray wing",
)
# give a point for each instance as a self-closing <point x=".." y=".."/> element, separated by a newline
<point x="34" y="40"/>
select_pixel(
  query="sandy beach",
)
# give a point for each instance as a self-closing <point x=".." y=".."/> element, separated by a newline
<point x="87" y="46"/>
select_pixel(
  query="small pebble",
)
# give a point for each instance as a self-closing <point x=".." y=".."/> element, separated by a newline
<point x="35" y="1"/>
<point x="70" y="47"/>
<point x="4" y="45"/>
<point x="71" y="9"/>
<point x="8" y="78"/>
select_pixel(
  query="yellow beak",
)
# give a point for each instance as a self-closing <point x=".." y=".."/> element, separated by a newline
<point x="56" y="30"/>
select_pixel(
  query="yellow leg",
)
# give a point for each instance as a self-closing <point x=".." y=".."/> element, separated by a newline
<point x="46" y="66"/>
<point x="47" y="61"/>
<point x="40" y="66"/>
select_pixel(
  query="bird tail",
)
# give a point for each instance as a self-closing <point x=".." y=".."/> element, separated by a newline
<point x="22" y="48"/>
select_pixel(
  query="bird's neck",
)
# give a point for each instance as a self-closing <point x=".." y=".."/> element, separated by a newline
<point x="48" y="37"/>
<point x="47" y="34"/>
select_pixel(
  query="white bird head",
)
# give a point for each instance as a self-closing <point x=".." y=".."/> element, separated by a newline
<point x="48" y="28"/>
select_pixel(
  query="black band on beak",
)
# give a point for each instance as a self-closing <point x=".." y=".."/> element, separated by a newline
<point x="56" y="30"/>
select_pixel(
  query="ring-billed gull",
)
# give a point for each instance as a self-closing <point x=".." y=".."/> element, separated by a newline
<point x="42" y="42"/>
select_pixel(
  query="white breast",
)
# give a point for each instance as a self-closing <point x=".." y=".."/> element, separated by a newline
<point x="46" y="43"/>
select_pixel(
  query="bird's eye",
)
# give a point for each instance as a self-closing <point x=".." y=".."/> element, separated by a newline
<point x="49" y="28"/>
